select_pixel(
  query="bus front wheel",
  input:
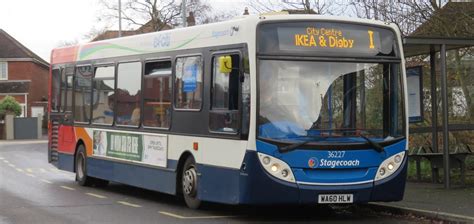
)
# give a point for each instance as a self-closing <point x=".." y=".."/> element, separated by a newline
<point x="189" y="180"/>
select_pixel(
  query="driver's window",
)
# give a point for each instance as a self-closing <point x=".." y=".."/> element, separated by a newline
<point x="224" y="114"/>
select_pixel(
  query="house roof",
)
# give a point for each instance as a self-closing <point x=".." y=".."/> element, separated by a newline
<point x="9" y="87"/>
<point x="10" y="48"/>
<point x="453" y="20"/>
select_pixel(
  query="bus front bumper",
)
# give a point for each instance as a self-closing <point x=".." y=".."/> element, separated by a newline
<point x="259" y="187"/>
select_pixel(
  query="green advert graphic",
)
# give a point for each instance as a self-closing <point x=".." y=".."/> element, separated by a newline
<point x="124" y="146"/>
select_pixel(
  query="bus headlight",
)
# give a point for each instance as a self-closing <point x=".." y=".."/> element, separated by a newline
<point x="276" y="167"/>
<point x="389" y="166"/>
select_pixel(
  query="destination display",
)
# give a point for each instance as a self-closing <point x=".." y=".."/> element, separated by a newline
<point x="326" y="39"/>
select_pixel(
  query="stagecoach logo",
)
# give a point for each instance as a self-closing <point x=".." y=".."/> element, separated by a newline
<point x="313" y="162"/>
<point x="162" y="40"/>
<point x="324" y="163"/>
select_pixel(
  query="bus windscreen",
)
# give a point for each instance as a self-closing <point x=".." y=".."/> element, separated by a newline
<point x="326" y="39"/>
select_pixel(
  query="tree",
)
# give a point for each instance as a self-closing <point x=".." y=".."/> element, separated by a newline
<point x="322" y="7"/>
<point x="10" y="106"/>
<point x="154" y="13"/>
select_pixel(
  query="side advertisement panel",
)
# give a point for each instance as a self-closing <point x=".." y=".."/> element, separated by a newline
<point x="147" y="149"/>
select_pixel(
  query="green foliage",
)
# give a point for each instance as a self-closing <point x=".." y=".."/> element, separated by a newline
<point x="10" y="106"/>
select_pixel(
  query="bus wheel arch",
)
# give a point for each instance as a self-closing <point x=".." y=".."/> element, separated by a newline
<point x="187" y="179"/>
<point x="80" y="168"/>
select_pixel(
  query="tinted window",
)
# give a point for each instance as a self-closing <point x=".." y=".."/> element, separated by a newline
<point x="66" y="91"/>
<point x="103" y="95"/>
<point x="63" y="90"/>
<point x="157" y="94"/>
<point x="128" y="93"/>
<point x="82" y="89"/>
<point x="188" y="83"/>
<point x="55" y="89"/>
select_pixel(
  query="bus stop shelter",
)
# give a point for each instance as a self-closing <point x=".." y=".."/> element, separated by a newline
<point x="433" y="53"/>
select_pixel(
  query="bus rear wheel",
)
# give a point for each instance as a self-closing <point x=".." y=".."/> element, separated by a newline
<point x="189" y="180"/>
<point x="81" y="170"/>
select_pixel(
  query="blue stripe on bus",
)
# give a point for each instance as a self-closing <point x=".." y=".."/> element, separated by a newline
<point x="139" y="176"/>
<point x="66" y="162"/>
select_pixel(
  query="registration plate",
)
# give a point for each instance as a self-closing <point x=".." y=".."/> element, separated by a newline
<point x="335" y="198"/>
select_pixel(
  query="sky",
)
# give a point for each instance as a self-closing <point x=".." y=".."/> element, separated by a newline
<point x="42" y="25"/>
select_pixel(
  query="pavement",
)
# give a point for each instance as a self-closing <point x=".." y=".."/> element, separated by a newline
<point x="432" y="200"/>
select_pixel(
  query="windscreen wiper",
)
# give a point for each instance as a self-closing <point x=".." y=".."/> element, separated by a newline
<point x="293" y="146"/>
<point x="377" y="146"/>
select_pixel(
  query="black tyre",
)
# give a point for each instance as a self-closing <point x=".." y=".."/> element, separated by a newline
<point x="189" y="180"/>
<point x="99" y="182"/>
<point x="81" y="167"/>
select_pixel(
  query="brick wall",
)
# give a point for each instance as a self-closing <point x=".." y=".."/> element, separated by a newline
<point x="38" y="74"/>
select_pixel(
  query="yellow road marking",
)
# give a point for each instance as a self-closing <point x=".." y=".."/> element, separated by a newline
<point x="29" y="170"/>
<point x="129" y="204"/>
<point x="31" y="175"/>
<point x="19" y="170"/>
<point x="68" y="188"/>
<point x="96" y="195"/>
<point x="11" y="165"/>
<point x="53" y="169"/>
<point x="197" y="217"/>
<point x="46" y="181"/>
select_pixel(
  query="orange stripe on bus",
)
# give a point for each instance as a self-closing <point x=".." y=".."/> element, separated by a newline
<point x="82" y="134"/>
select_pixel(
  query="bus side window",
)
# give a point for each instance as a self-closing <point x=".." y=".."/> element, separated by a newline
<point x="63" y="88"/>
<point x="128" y="93"/>
<point x="224" y="114"/>
<point x="55" y="90"/>
<point x="157" y="94"/>
<point x="66" y="89"/>
<point x="82" y="94"/>
<point x="103" y="95"/>
<point x="188" y="83"/>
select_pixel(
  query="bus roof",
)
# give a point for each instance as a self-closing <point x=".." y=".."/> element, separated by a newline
<point x="239" y="30"/>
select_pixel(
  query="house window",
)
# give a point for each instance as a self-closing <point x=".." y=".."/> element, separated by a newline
<point x="188" y="83"/>
<point x="3" y="70"/>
